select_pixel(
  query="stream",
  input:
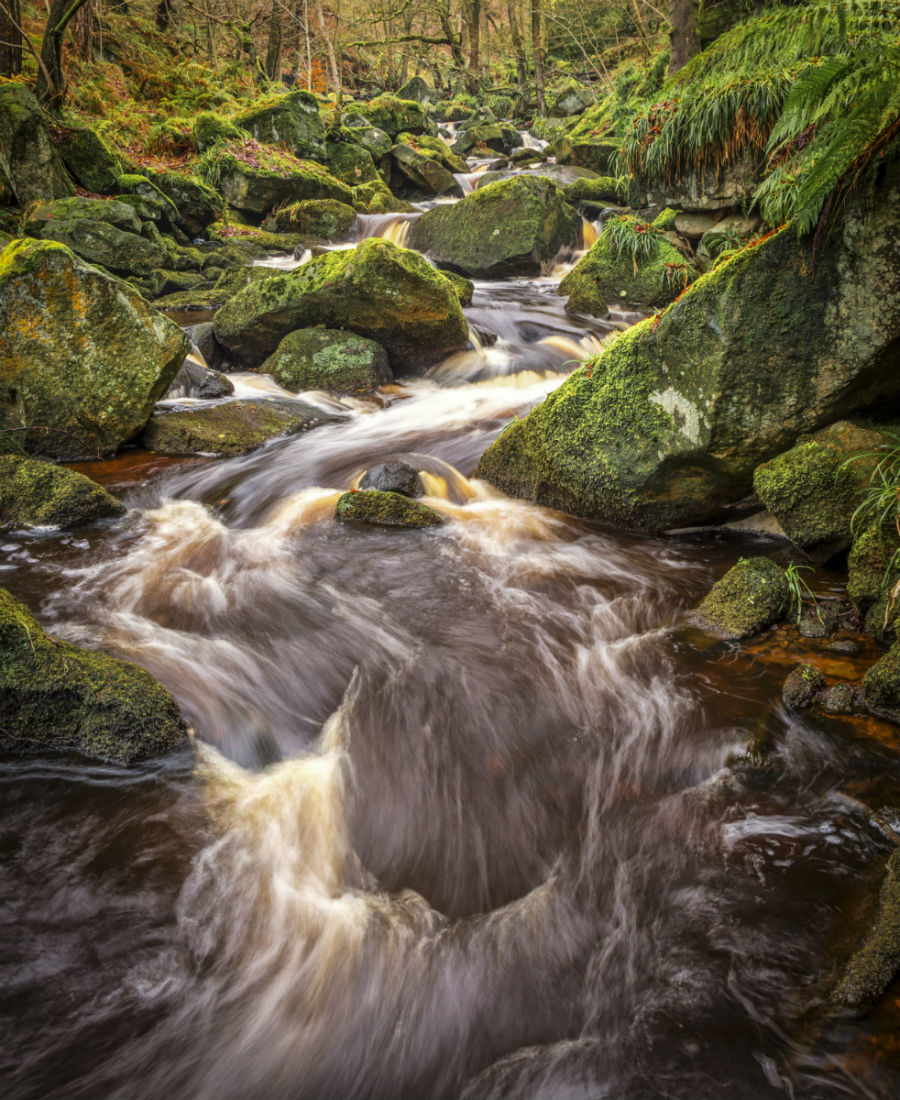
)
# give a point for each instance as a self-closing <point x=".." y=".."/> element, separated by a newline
<point x="469" y="812"/>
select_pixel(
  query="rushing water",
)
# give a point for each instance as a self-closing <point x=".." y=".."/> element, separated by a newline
<point x="468" y="812"/>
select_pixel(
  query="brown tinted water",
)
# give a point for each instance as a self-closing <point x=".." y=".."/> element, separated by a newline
<point x="469" y="813"/>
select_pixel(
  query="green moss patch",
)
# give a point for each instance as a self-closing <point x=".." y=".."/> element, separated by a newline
<point x="39" y="494"/>
<point x="383" y="509"/>
<point x="751" y="596"/>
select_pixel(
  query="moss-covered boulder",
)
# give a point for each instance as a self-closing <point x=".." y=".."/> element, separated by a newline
<point x="324" y="218"/>
<point x="231" y="428"/>
<point x="159" y="207"/>
<point x="83" y="358"/>
<point x="599" y="156"/>
<point x="464" y="288"/>
<point x="881" y="684"/>
<point x="802" y="687"/>
<point x="253" y="241"/>
<point x="205" y="298"/>
<point x="424" y="173"/>
<point x="605" y="274"/>
<point x="751" y="596"/>
<point x="394" y="115"/>
<point x="417" y="89"/>
<point x="571" y="99"/>
<point x="28" y="157"/>
<point x="667" y="425"/>
<point x="56" y="697"/>
<point x="389" y="294"/>
<point x="376" y="142"/>
<point x="117" y="250"/>
<point x="712" y="187"/>
<point x="257" y="178"/>
<point x="507" y="228"/>
<point x="436" y="148"/>
<point x="496" y="136"/>
<point x="872" y="968"/>
<point x="38" y="214"/>
<point x="89" y="159"/>
<point x="595" y="189"/>
<point x="291" y="120"/>
<point x="196" y="380"/>
<point x="210" y="129"/>
<point x="328" y="359"/>
<point x="350" y="162"/>
<point x="872" y="565"/>
<point x="39" y="494"/>
<point x="197" y="204"/>
<point x="385" y="509"/>
<point x="814" y="488"/>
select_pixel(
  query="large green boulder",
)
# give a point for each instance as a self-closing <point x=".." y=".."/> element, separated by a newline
<point x="873" y="565"/>
<point x="56" y="697"/>
<point x="394" y="115"/>
<point x="350" y="162"/>
<point x="814" y="488"/>
<point x="89" y="159"/>
<point x="28" y="158"/>
<point x="497" y="136"/>
<point x="599" y="156"/>
<point x="197" y="204"/>
<point x="667" y="425"/>
<point x="323" y="218"/>
<point x="231" y="428"/>
<point x="605" y="274"/>
<point x="98" y="242"/>
<point x="572" y="99"/>
<point x="424" y="173"/>
<point x="83" y="358"/>
<point x="416" y="88"/>
<point x="605" y="190"/>
<point x="328" y="359"/>
<point x="292" y="120"/>
<point x="507" y="228"/>
<point x="389" y="294"/>
<point x="155" y="205"/>
<point x="210" y="129"/>
<point x="256" y="178"/>
<point x="376" y="142"/>
<point x="39" y="494"/>
<point x="436" y="148"/>
<point x="751" y="596"/>
<point x="40" y="213"/>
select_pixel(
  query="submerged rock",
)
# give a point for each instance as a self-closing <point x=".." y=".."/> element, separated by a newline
<point x="751" y="596"/>
<point x="232" y="428"/>
<point x="39" y="494"/>
<point x="55" y="697"/>
<point x="386" y="509"/>
<point x="802" y="687"/>
<point x="28" y="158"/>
<point x="328" y="359"/>
<point x="83" y="358"/>
<point x="388" y="294"/>
<point x="507" y="228"/>
<point x="667" y="425"/>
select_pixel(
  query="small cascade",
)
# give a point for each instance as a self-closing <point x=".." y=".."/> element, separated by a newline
<point x="389" y="227"/>
<point x="529" y="141"/>
<point x="589" y="233"/>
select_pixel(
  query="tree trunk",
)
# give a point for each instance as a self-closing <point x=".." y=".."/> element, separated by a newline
<point x="10" y="38"/>
<point x="273" y="50"/>
<point x="519" y="51"/>
<point x="83" y="30"/>
<point x="164" y="13"/>
<point x="329" y="46"/>
<point x="684" y="35"/>
<point x="51" y="85"/>
<point x="443" y="11"/>
<point x="537" y="47"/>
<point x="474" y="36"/>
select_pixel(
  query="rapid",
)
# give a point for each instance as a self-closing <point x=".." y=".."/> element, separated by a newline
<point x="469" y="812"/>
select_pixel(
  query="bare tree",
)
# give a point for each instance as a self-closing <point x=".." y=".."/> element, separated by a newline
<point x="10" y="38"/>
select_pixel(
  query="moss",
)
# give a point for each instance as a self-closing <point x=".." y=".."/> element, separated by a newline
<point x="388" y="294"/>
<point x="291" y="120"/>
<point x="82" y="357"/>
<point x="420" y="171"/>
<point x="871" y="969"/>
<point x="463" y="288"/>
<point x="385" y="509"/>
<point x="133" y="184"/>
<point x="599" y="189"/>
<point x="89" y="159"/>
<point x="509" y="227"/>
<point x="211" y="129"/>
<point x="322" y="218"/>
<point x="198" y="205"/>
<point x="350" y="162"/>
<point x="394" y="115"/>
<point x="111" y="211"/>
<point x="751" y="596"/>
<point x="873" y="547"/>
<point x="881" y="684"/>
<point x="254" y="242"/>
<point x="55" y="697"/>
<point x="665" y="219"/>
<point x="232" y="428"/>
<point x="434" y="148"/>
<point x="28" y="158"/>
<point x="328" y="359"/>
<point x="38" y="494"/>
<point x="605" y="275"/>
<point x="802" y="686"/>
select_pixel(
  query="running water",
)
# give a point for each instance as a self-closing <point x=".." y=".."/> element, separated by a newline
<point x="469" y="812"/>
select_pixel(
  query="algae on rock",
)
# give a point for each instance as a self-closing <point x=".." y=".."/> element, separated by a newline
<point x="56" y="697"/>
<point x="328" y="359"/>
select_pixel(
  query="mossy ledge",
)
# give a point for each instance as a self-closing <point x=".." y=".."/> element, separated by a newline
<point x="58" y="698"/>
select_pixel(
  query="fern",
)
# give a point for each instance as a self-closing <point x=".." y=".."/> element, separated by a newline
<point x="631" y="237"/>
